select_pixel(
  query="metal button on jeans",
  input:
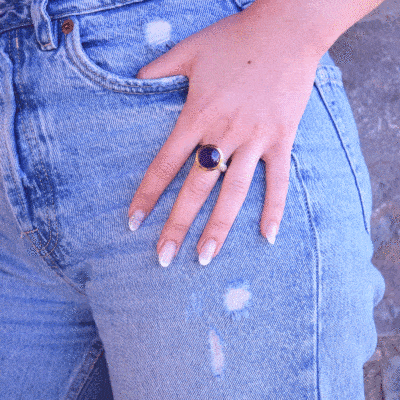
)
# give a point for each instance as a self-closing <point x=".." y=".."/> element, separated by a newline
<point x="67" y="26"/>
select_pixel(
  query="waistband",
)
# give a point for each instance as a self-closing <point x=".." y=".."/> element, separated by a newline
<point x="40" y="13"/>
<point x="17" y="13"/>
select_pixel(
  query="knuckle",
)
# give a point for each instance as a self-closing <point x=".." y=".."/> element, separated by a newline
<point x="162" y="170"/>
<point x="219" y="225"/>
<point x="144" y="201"/>
<point x="238" y="186"/>
<point x="178" y="227"/>
<point x="283" y="128"/>
<point x="197" y="191"/>
<point x="277" y="150"/>
<point x="197" y="114"/>
<point x="199" y="188"/>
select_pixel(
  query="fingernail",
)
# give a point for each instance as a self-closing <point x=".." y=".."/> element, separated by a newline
<point x="136" y="219"/>
<point x="207" y="252"/>
<point x="167" y="253"/>
<point x="271" y="234"/>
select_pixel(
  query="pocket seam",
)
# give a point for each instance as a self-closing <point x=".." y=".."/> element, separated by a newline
<point x="327" y="73"/>
<point x="109" y="80"/>
<point x="337" y="121"/>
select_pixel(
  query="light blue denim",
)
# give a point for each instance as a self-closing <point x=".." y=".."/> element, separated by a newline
<point x="78" y="131"/>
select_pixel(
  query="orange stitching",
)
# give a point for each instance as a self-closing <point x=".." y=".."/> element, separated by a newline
<point x="26" y="232"/>
<point x="55" y="268"/>
<point x="40" y="156"/>
<point x="8" y="155"/>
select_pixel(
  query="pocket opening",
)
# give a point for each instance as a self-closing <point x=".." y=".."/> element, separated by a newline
<point x="330" y="85"/>
<point x="110" y="80"/>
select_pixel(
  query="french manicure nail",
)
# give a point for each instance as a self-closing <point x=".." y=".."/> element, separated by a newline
<point x="136" y="219"/>
<point x="271" y="234"/>
<point x="207" y="252"/>
<point x="167" y="253"/>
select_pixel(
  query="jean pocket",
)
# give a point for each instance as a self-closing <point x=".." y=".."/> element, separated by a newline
<point x="107" y="52"/>
<point x="330" y="84"/>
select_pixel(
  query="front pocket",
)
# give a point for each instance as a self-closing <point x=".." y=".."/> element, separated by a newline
<point x="110" y="80"/>
<point x="330" y="84"/>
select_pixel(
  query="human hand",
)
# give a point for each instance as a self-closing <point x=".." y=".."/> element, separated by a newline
<point x="249" y="84"/>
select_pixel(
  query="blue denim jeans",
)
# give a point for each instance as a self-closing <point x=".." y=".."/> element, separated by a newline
<point x="77" y="134"/>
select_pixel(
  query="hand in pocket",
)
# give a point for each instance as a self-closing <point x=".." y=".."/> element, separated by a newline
<point x="249" y="84"/>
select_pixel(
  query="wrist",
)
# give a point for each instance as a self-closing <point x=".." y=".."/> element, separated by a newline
<point x="291" y="26"/>
<point x="313" y="25"/>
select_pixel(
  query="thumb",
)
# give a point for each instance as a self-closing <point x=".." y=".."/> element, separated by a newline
<point x="173" y="62"/>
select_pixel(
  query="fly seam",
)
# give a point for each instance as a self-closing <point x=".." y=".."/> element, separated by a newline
<point x="26" y="232"/>
<point x="86" y="69"/>
<point x="40" y="156"/>
<point x="8" y="155"/>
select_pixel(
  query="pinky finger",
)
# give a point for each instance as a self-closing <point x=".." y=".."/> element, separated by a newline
<point x="277" y="171"/>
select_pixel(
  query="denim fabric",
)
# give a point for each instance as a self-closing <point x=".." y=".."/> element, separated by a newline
<point x="78" y="132"/>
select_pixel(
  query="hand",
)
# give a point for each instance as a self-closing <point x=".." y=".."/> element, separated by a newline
<point x="249" y="84"/>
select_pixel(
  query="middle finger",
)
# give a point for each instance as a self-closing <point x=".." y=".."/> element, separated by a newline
<point x="195" y="190"/>
<point x="194" y="193"/>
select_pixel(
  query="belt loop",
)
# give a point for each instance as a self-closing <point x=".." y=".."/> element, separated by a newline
<point x="46" y="31"/>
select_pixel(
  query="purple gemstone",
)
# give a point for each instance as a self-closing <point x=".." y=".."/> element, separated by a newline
<point x="209" y="157"/>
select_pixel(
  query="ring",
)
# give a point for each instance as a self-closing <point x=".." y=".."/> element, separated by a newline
<point x="210" y="157"/>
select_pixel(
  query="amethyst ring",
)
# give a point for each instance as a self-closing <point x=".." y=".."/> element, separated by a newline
<point x="210" y="157"/>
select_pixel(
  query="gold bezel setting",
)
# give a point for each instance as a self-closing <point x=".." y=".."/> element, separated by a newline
<point x="220" y="166"/>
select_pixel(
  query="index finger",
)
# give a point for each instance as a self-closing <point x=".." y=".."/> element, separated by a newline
<point x="163" y="169"/>
<point x="277" y="176"/>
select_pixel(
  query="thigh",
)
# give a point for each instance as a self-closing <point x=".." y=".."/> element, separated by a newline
<point x="49" y="341"/>
<point x="293" y="320"/>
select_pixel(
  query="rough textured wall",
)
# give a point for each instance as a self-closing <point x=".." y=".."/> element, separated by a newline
<point x="369" y="56"/>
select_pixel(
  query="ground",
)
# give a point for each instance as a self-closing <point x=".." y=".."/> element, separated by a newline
<point x="368" y="55"/>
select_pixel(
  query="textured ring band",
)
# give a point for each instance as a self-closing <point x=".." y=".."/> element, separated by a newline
<point x="210" y="157"/>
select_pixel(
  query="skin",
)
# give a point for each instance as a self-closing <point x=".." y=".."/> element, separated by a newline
<point x="249" y="84"/>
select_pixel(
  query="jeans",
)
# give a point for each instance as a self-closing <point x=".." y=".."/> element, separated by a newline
<point x="78" y="131"/>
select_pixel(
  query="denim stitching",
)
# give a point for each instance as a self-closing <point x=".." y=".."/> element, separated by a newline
<point x="66" y="14"/>
<point x="26" y="137"/>
<point x="318" y="267"/>
<point x="54" y="267"/>
<point x="89" y="10"/>
<point x="85" y="69"/>
<point x="86" y="73"/>
<point x="348" y="156"/>
<point x="87" y="369"/>
<point x="26" y="232"/>
<point x="335" y="69"/>
<point x="127" y="91"/>
<point x="8" y="155"/>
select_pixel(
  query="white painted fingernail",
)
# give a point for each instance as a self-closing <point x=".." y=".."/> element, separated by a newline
<point x="136" y="219"/>
<point x="167" y="253"/>
<point x="207" y="252"/>
<point x="271" y="234"/>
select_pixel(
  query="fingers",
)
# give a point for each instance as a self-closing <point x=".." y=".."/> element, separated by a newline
<point x="163" y="168"/>
<point x="177" y="148"/>
<point x="176" y="61"/>
<point x="199" y="184"/>
<point x="277" y="175"/>
<point x="233" y="192"/>
<point x="194" y="193"/>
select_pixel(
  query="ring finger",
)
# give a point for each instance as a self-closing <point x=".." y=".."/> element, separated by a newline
<point x="195" y="191"/>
